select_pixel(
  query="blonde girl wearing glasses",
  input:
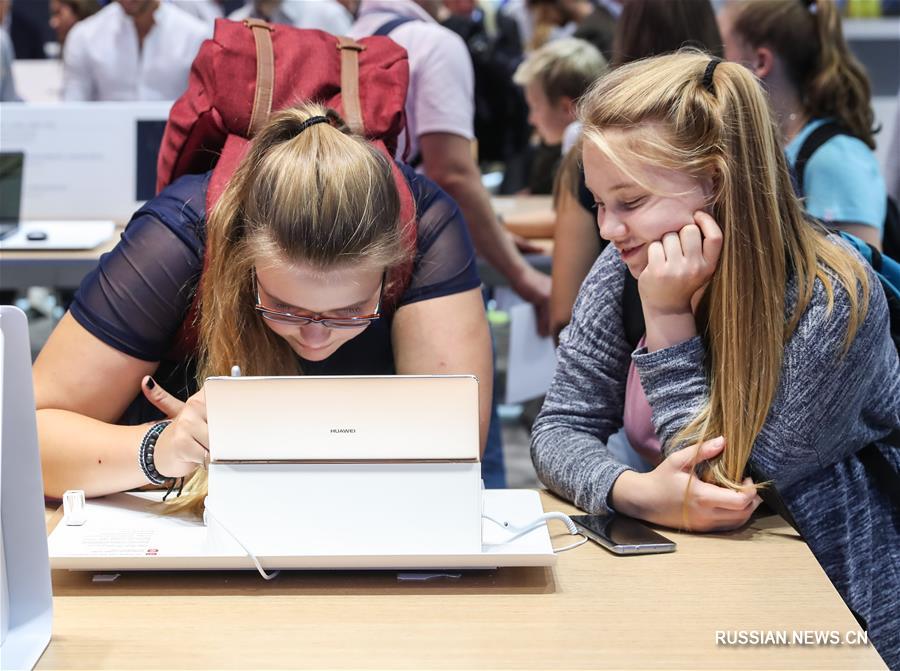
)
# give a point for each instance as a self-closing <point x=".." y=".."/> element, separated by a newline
<point x="297" y="261"/>
<point x="766" y="340"/>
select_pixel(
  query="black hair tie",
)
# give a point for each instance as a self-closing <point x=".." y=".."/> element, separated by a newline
<point x="708" y="75"/>
<point x="312" y="121"/>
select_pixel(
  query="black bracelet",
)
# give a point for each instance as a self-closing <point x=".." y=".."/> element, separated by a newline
<point x="145" y="454"/>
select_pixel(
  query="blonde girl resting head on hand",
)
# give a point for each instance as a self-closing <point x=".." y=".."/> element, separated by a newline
<point x="766" y="340"/>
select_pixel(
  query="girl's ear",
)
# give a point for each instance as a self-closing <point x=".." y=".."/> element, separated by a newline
<point x="763" y="62"/>
<point x="710" y="186"/>
<point x="567" y="105"/>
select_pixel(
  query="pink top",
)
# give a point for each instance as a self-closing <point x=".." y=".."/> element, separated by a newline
<point x="637" y="418"/>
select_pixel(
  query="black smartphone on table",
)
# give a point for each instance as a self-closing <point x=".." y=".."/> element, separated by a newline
<point x="622" y="535"/>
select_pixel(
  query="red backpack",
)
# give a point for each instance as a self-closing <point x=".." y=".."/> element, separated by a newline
<point x="250" y="69"/>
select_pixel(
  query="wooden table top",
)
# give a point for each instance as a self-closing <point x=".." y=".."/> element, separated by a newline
<point x="592" y="610"/>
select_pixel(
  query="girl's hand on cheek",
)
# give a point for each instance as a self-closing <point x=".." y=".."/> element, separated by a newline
<point x="679" y="265"/>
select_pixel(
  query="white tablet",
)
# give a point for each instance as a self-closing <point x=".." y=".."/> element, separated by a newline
<point x="343" y="418"/>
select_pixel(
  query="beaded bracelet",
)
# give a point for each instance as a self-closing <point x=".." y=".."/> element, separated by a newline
<point x="145" y="454"/>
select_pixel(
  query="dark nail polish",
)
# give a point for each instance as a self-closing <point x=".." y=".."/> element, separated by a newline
<point x="151" y="382"/>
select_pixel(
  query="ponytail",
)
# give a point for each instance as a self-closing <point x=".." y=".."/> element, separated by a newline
<point x="840" y="87"/>
<point x="808" y="38"/>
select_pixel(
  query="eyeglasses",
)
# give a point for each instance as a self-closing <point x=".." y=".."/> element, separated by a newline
<point x="328" y="322"/>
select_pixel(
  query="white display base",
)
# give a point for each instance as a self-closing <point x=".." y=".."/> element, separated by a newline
<point x="125" y="532"/>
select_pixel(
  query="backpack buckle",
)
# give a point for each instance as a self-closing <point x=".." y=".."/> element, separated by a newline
<point x="350" y="44"/>
<point x="258" y="23"/>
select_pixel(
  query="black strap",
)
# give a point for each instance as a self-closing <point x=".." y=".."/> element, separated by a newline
<point x="632" y="312"/>
<point x="388" y="28"/>
<point x="771" y="497"/>
<point x="886" y="477"/>
<point x="878" y="467"/>
<point x="810" y="145"/>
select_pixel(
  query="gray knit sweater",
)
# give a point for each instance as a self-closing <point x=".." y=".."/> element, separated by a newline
<point x="826" y="409"/>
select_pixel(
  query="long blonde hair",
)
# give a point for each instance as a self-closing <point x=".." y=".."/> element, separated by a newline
<point x="316" y="195"/>
<point x="807" y="36"/>
<point x="673" y="121"/>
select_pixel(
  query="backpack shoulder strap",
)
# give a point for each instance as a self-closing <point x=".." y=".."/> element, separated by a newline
<point x="879" y="467"/>
<point x="388" y="28"/>
<point x="265" y="74"/>
<point x="350" y="50"/>
<point x="887" y="269"/>
<point x="632" y="312"/>
<point x="816" y="139"/>
<point x="885" y="473"/>
<point x="770" y="496"/>
<point x="890" y="241"/>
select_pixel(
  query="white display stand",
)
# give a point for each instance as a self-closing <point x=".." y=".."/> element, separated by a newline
<point x="27" y="604"/>
<point x="126" y="532"/>
<point x="346" y="509"/>
<point x="325" y="473"/>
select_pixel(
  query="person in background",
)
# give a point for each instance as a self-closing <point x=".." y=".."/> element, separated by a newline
<point x="131" y="50"/>
<point x="24" y="22"/>
<point x="590" y="20"/>
<point x="66" y="13"/>
<point x="547" y="23"/>
<point x="501" y="124"/>
<point x="205" y="10"/>
<point x="797" y="49"/>
<point x="328" y="15"/>
<point x="554" y="77"/>
<point x="439" y="112"/>
<point x="652" y="27"/>
<point x="645" y="28"/>
<point x="595" y="21"/>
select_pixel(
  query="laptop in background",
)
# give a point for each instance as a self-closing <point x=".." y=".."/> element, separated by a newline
<point x="10" y="191"/>
<point x="16" y="235"/>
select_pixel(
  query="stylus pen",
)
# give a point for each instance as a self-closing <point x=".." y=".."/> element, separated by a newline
<point x="235" y="371"/>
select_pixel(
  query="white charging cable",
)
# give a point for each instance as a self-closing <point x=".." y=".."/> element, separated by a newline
<point x="518" y="532"/>
<point x="541" y="521"/>
<point x="207" y="514"/>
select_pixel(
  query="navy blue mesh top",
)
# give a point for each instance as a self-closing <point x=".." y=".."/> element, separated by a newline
<point x="140" y="292"/>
